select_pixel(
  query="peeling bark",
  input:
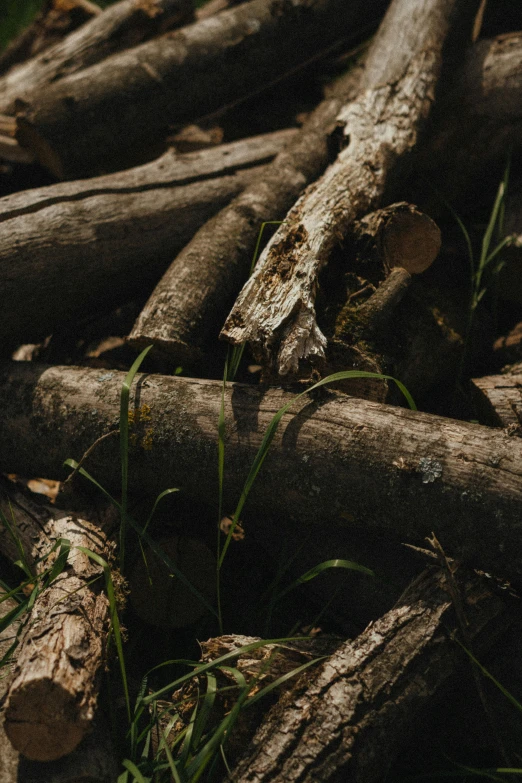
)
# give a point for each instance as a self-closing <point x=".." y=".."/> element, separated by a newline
<point x="56" y="265"/>
<point x="379" y="129"/>
<point x="333" y="455"/>
<point x="352" y="720"/>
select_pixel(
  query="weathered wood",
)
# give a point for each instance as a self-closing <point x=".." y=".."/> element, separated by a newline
<point x="188" y="305"/>
<point x="122" y="25"/>
<point x="498" y="399"/>
<point x="351" y="721"/>
<point x="92" y="120"/>
<point x="52" y="23"/>
<point x="378" y="130"/>
<point x="387" y="467"/>
<point x="95" y="243"/>
<point x="52" y="698"/>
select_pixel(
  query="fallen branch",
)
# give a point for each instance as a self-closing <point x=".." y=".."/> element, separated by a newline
<point x="77" y="126"/>
<point x="52" y="698"/>
<point x="138" y="219"/>
<point x="350" y="723"/>
<point x="387" y="467"/>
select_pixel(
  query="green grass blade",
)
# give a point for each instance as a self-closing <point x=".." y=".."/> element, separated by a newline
<point x="133" y="769"/>
<point x="156" y="502"/>
<point x="486" y="239"/>
<point x="124" y="447"/>
<point x="205" y="710"/>
<point x="11" y="529"/>
<point x="61" y="560"/>
<point x="349" y="565"/>
<point x="71" y="463"/>
<point x="13" y="615"/>
<point x="489" y="676"/>
<point x="281" y="680"/>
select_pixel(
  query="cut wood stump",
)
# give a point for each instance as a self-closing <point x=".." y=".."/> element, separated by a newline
<point x="499" y="399"/>
<point x="52" y="698"/>
<point x="55" y="264"/>
<point x="389" y="468"/>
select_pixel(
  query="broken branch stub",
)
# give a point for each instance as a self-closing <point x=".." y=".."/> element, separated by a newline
<point x="379" y="128"/>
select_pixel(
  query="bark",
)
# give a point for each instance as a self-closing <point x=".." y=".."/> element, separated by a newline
<point x="498" y="399"/>
<point x="76" y="127"/>
<point x="388" y="468"/>
<point x="52" y="23"/>
<point x="52" y="698"/>
<point x="122" y="25"/>
<point x="137" y="220"/>
<point x="378" y="130"/>
<point x="188" y="304"/>
<point x="352" y="720"/>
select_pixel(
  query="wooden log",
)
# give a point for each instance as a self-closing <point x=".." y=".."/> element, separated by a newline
<point x="389" y="468"/>
<point x="498" y="399"/>
<point x="209" y="272"/>
<point x="52" y="23"/>
<point x="136" y="221"/>
<point x="352" y="720"/>
<point x="52" y="698"/>
<point x="398" y="83"/>
<point x="95" y="119"/>
<point x="122" y="25"/>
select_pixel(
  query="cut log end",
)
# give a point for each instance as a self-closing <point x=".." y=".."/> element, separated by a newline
<point x="411" y="240"/>
<point x="43" y="728"/>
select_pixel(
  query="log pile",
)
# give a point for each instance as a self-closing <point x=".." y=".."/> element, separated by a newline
<point x="309" y="181"/>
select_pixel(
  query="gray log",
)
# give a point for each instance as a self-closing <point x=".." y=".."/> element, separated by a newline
<point x="123" y="24"/>
<point x="188" y="305"/>
<point x="379" y="129"/>
<point x="352" y="720"/>
<point x="93" y="119"/>
<point x="390" y="468"/>
<point x="70" y="248"/>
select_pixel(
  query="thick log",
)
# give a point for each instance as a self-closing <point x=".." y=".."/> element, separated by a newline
<point x="188" y="304"/>
<point x="350" y="723"/>
<point x="122" y="25"/>
<point x="398" y="83"/>
<point x="92" y="120"/>
<point x="390" y="468"/>
<point x="498" y="399"/>
<point x="53" y="22"/>
<point x="52" y="698"/>
<point x="137" y="220"/>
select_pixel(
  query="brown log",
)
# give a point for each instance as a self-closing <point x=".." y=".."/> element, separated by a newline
<point x="387" y="467"/>
<point x="52" y="698"/>
<point x="53" y="22"/>
<point x="92" y="120"/>
<point x="122" y="25"/>
<point x="498" y="399"/>
<point x="137" y="219"/>
<point x="398" y="83"/>
<point x="209" y="272"/>
<point x="352" y="720"/>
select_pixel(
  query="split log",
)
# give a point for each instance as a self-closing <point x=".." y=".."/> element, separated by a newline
<point x="387" y="467"/>
<point x="52" y="697"/>
<point x="76" y="127"/>
<point x="351" y="721"/>
<point x="398" y="83"/>
<point x="188" y="304"/>
<point x="122" y="25"/>
<point x="498" y="399"/>
<point x="103" y="240"/>
<point x="53" y="22"/>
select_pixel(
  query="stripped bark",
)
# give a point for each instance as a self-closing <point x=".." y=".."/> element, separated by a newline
<point x="188" y="304"/>
<point x="52" y="699"/>
<point x="94" y="119"/>
<point x="390" y="468"/>
<point x="351" y="721"/>
<point x="137" y="220"/>
<point x="124" y="24"/>
<point x="379" y="129"/>
<point x="53" y="22"/>
<point x="498" y="399"/>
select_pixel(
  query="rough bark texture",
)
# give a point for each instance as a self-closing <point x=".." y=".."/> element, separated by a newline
<point x="188" y="304"/>
<point x="70" y="247"/>
<point x="387" y="467"/>
<point x="378" y="130"/>
<point x="499" y="399"/>
<point x="55" y="20"/>
<point x="350" y="723"/>
<point x="120" y="26"/>
<point x="52" y="698"/>
<point x="77" y="126"/>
